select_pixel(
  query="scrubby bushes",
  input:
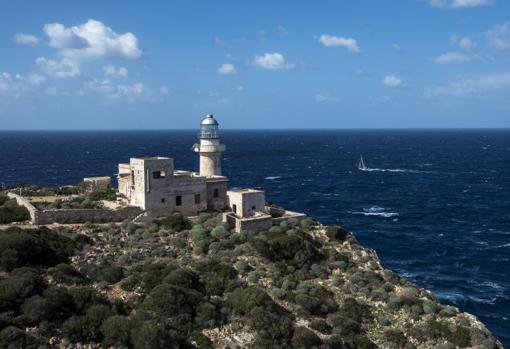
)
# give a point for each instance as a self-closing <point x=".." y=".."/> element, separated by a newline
<point x="294" y="247"/>
<point x="10" y="211"/>
<point x="337" y="233"/>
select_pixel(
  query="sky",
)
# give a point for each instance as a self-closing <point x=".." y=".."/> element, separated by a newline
<point x="254" y="64"/>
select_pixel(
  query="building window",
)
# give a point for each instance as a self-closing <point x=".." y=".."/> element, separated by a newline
<point x="158" y="174"/>
<point x="163" y="200"/>
<point x="178" y="200"/>
<point x="216" y="193"/>
<point x="234" y="208"/>
<point x="253" y="208"/>
<point x="197" y="198"/>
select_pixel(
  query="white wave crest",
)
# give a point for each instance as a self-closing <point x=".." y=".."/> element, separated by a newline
<point x="398" y="170"/>
<point x="272" y="178"/>
<point x="376" y="211"/>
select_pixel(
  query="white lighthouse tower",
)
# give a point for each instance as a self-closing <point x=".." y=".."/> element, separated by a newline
<point x="209" y="148"/>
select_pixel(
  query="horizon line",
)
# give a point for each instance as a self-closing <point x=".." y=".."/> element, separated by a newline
<point x="264" y="129"/>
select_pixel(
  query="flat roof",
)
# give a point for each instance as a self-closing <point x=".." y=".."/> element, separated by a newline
<point x="96" y="178"/>
<point x="152" y="158"/>
<point x="246" y="190"/>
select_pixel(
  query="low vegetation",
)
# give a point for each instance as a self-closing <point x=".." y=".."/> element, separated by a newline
<point x="173" y="283"/>
<point x="10" y="211"/>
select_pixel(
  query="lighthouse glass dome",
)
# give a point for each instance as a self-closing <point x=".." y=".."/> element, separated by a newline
<point x="209" y="128"/>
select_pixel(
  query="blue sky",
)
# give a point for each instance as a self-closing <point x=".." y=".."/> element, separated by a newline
<point x="257" y="64"/>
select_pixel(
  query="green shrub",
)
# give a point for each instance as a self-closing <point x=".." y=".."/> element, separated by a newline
<point x="303" y="338"/>
<point x="268" y="324"/>
<point x="242" y="266"/>
<point x="108" y="194"/>
<point x="315" y="299"/>
<point x="294" y="247"/>
<point x="448" y="311"/>
<point x="115" y="330"/>
<point x="198" y="233"/>
<point x="3" y="199"/>
<point x="307" y="223"/>
<point x="10" y="212"/>
<point x="85" y="297"/>
<point x="169" y="300"/>
<point x="176" y="222"/>
<point x="278" y="293"/>
<point x="319" y="270"/>
<point x="220" y="232"/>
<point x="217" y="277"/>
<point x="395" y="337"/>
<point x="19" y="285"/>
<point x="67" y="274"/>
<point x="244" y="300"/>
<point x="321" y="326"/>
<point x="151" y="335"/>
<point x="111" y="273"/>
<point x="337" y="233"/>
<point x="33" y="247"/>
<point x="429" y="307"/>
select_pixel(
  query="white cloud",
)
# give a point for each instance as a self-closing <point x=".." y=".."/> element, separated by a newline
<point x="91" y="40"/>
<point x="325" y="99"/>
<point x="135" y="91"/>
<point x="280" y="29"/>
<point x="36" y="79"/>
<point x="113" y="71"/>
<point x="466" y="43"/>
<point x="349" y="44"/>
<point x="272" y="61"/>
<point x="227" y="69"/>
<point x="19" y="83"/>
<point x="392" y="81"/>
<point x="26" y="39"/>
<point x="164" y="89"/>
<point x="64" y="68"/>
<point x="474" y="86"/>
<point x="455" y="4"/>
<point x="499" y="36"/>
<point x="452" y="57"/>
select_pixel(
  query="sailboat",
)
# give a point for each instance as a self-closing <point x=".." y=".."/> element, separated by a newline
<point x="361" y="165"/>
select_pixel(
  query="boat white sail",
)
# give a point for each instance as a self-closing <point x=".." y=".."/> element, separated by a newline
<point x="361" y="164"/>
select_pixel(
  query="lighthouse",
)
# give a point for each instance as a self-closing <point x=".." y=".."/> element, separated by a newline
<point x="209" y="148"/>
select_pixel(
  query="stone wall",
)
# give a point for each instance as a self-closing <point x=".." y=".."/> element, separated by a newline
<point x="260" y="223"/>
<point x="20" y="200"/>
<point x="85" y="215"/>
<point x="68" y="216"/>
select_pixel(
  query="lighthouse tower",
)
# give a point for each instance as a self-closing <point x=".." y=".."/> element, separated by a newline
<point x="209" y="148"/>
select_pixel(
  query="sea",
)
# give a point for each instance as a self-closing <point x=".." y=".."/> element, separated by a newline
<point x="434" y="204"/>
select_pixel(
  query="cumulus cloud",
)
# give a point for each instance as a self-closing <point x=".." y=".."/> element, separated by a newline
<point x="272" y="61"/>
<point x="91" y="39"/>
<point x="227" y="69"/>
<point x="466" y="43"/>
<point x="349" y="44"/>
<point x="476" y="86"/>
<point x="26" y="39"/>
<point x="499" y="36"/>
<point x="135" y="91"/>
<point x="452" y="57"/>
<point x="113" y="71"/>
<point x="455" y="4"/>
<point x="19" y="83"/>
<point x="62" y="69"/>
<point x="392" y="81"/>
<point x="325" y="99"/>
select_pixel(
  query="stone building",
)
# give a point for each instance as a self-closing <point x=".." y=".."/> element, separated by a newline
<point x="153" y="184"/>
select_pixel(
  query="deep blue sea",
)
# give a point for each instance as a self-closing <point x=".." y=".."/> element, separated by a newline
<point x="436" y="206"/>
